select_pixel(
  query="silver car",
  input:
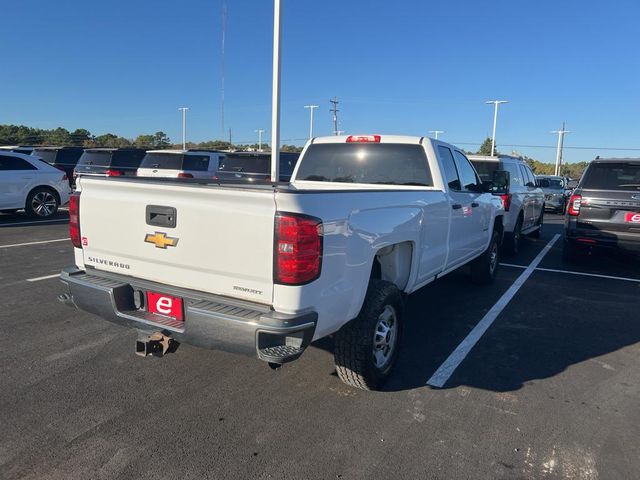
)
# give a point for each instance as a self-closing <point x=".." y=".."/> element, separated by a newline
<point x="555" y="192"/>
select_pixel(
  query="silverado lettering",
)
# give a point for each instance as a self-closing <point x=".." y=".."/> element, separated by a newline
<point x="111" y="263"/>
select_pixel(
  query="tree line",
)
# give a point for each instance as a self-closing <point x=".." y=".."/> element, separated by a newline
<point x="80" y="137"/>
<point x="573" y="170"/>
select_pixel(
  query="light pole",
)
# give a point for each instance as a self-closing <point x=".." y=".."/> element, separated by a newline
<point x="561" y="133"/>
<point x="260" y="131"/>
<point x="436" y="132"/>
<point x="275" y="96"/>
<point x="184" y="126"/>
<point x="495" y="120"/>
<point x="311" y="107"/>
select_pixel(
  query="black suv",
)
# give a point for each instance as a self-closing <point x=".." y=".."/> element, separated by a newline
<point x="604" y="210"/>
<point x="63" y="158"/>
<point x="110" y="162"/>
<point x="252" y="167"/>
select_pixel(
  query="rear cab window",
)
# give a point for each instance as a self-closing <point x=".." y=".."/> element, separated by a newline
<point x="127" y="158"/>
<point x="362" y="163"/>
<point x="612" y="176"/>
<point x="97" y="158"/>
<point x="485" y="169"/>
<point x="48" y="156"/>
<point x="237" y="163"/>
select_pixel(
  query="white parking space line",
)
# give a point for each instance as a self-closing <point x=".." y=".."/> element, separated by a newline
<point x="26" y="224"/>
<point x="597" y="275"/>
<point x="34" y="243"/>
<point x="444" y="372"/>
<point x="46" y="277"/>
<point x="570" y="272"/>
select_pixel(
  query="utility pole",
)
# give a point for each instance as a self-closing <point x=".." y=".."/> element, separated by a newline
<point x="184" y="126"/>
<point x="335" y="114"/>
<point x="436" y="132"/>
<point x="259" y="132"/>
<point x="561" y="133"/>
<point x="275" y="95"/>
<point x="495" y="121"/>
<point x="311" y="107"/>
<point x="230" y="144"/>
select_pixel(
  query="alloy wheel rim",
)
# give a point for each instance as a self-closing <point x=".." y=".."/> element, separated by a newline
<point x="43" y="204"/>
<point x="385" y="337"/>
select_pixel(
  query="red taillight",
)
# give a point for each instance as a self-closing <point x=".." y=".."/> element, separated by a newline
<point x="298" y="249"/>
<point x="74" y="219"/>
<point x="363" y="139"/>
<point x="114" y="173"/>
<point x="574" y="205"/>
<point x="506" y="201"/>
<point x="184" y="175"/>
<point x="64" y="177"/>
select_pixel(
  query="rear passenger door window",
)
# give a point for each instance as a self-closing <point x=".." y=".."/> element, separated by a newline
<point x="468" y="176"/>
<point x="196" y="163"/>
<point x="449" y="169"/>
<point x="528" y="177"/>
<point x="14" y="163"/>
<point x="515" y="175"/>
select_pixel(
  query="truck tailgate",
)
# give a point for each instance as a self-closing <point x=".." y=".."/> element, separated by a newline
<point x="222" y="241"/>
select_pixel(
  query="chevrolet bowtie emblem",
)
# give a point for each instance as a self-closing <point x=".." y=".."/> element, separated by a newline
<point x="160" y="240"/>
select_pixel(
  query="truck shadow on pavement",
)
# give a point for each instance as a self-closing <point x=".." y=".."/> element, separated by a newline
<point x="554" y="321"/>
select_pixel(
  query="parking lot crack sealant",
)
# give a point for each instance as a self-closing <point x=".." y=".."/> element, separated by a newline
<point x="444" y="372"/>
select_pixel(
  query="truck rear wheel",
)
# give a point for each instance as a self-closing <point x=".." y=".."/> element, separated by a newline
<point x="484" y="268"/>
<point x="366" y="348"/>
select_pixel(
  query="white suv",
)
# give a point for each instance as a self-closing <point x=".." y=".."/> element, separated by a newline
<point x="180" y="164"/>
<point x="524" y="202"/>
<point x="28" y="182"/>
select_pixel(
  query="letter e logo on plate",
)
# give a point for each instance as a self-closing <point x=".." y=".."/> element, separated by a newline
<point x="165" y="305"/>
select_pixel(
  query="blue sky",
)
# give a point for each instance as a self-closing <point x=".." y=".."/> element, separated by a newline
<point x="397" y="67"/>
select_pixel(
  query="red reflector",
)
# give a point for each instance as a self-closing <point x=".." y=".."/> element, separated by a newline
<point x="184" y="175"/>
<point x="586" y="240"/>
<point x="114" y="173"/>
<point x="506" y="201"/>
<point x="298" y="249"/>
<point x="165" y="305"/>
<point x="74" y="219"/>
<point x="574" y="205"/>
<point x="363" y="139"/>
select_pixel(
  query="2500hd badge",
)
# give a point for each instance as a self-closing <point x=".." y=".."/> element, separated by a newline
<point x="111" y="263"/>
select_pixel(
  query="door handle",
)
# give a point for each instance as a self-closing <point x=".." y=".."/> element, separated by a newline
<point x="159" y="216"/>
<point x="456" y="206"/>
<point x="475" y="204"/>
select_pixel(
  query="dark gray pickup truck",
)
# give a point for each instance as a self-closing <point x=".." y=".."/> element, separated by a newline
<point x="604" y="210"/>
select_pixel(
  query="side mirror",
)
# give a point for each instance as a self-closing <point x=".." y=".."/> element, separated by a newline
<point x="500" y="182"/>
<point x="544" y="183"/>
<point x="572" y="184"/>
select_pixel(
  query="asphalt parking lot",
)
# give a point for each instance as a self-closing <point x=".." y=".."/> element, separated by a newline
<point x="549" y="390"/>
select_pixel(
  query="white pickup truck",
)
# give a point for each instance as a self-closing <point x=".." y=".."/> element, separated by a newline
<point x="265" y="270"/>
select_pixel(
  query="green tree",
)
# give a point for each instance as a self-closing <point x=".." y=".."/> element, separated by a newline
<point x="80" y="136"/>
<point x="161" y="140"/>
<point x="485" y="148"/>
